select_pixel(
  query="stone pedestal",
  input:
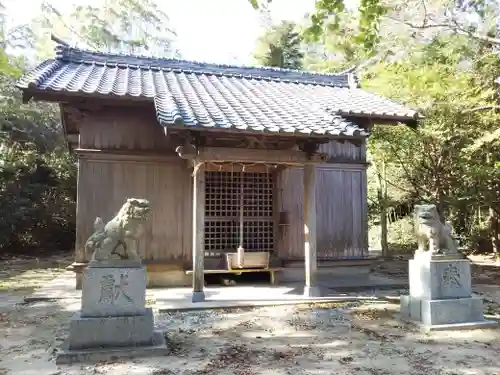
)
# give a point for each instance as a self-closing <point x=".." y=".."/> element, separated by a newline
<point x="441" y="294"/>
<point x="113" y="320"/>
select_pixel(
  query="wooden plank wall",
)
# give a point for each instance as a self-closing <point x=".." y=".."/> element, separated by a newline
<point x="104" y="186"/>
<point x="339" y="151"/>
<point x="134" y="128"/>
<point x="341" y="206"/>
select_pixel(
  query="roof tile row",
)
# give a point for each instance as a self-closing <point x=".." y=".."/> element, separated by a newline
<point x="218" y="96"/>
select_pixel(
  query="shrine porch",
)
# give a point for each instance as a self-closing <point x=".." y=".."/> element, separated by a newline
<point x="334" y="288"/>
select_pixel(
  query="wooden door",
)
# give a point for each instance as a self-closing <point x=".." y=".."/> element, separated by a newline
<point x="225" y="210"/>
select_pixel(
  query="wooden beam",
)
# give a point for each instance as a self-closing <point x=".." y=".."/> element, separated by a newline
<point x="243" y="155"/>
<point x="344" y="166"/>
<point x="127" y="157"/>
<point x="236" y="168"/>
<point x="310" y="248"/>
<point x="198" y="231"/>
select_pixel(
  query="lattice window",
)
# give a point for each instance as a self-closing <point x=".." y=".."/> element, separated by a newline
<point x="223" y="192"/>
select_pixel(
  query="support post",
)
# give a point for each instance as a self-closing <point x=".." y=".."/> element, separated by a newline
<point x="198" y="231"/>
<point x="310" y="251"/>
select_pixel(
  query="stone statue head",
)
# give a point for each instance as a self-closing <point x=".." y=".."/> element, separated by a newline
<point x="426" y="214"/>
<point x="134" y="214"/>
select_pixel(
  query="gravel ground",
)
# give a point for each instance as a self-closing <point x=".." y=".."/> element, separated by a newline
<point x="333" y="338"/>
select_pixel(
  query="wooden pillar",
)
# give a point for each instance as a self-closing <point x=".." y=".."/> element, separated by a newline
<point x="198" y="232"/>
<point x="310" y="250"/>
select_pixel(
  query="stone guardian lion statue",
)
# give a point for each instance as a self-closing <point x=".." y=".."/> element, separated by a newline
<point x="431" y="232"/>
<point x="117" y="240"/>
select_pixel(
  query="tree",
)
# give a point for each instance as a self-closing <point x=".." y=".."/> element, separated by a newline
<point x="125" y="26"/>
<point x="37" y="175"/>
<point x="440" y="15"/>
<point x="451" y="81"/>
<point x="280" y="46"/>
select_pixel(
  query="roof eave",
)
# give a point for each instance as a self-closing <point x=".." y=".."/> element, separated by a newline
<point x="64" y="96"/>
<point x="315" y="136"/>
<point x="56" y="95"/>
<point x="384" y="119"/>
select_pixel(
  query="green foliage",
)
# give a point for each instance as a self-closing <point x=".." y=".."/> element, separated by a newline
<point x="337" y="50"/>
<point x="37" y="199"/>
<point x="37" y="175"/>
<point x="327" y="17"/>
<point x="401" y="235"/>
<point x="281" y="46"/>
<point x="125" y="26"/>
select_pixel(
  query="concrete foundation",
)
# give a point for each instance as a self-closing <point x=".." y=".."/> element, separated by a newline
<point x="158" y="347"/>
<point x="108" y="332"/>
<point x="441" y="294"/>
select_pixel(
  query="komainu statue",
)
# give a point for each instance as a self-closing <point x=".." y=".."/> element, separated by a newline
<point x="117" y="240"/>
<point x="429" y="229"/>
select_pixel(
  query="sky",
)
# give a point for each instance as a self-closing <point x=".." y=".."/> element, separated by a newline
<point x="220" y="31"/>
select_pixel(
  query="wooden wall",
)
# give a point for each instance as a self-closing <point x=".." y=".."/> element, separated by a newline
<point x="134" y="128"/>
<point x="346" y="152"/>
<point x="104" y="185"/>
<point x="341" y="206"/>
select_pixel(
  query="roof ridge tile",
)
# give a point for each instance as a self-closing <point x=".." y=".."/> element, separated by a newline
<point x="77" y="55"/>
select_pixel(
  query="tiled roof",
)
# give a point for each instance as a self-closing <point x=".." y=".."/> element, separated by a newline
<point x="205" y="95"/>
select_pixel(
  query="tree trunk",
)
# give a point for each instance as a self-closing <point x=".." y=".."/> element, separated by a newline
<point x="493" y="222"/>
<point x="494" y="229"/>
<point x="382" y="199"/>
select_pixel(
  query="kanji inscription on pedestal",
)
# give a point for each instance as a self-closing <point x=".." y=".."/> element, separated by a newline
<point x="451" y="276"/>
<point x="111" y="291"/>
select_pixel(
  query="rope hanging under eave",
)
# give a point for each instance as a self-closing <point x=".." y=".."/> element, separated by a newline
<point x="241" y="251"/>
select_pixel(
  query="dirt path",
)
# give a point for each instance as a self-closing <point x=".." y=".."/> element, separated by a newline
<point x="21" y="275"/>
<point x="337" y="338"/>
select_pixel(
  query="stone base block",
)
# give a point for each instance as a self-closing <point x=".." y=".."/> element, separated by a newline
<point x="447" y="314"/>
<point x="158" y="347"/>
<point x="115" y="331"/>
<point x="484" y="324"/>
<point x="114" y="291"/>
<point x="452" y="311"/>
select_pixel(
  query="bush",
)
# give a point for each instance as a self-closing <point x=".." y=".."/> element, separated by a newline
<point x="400" y="236"/>
<point x="37" y="199"/>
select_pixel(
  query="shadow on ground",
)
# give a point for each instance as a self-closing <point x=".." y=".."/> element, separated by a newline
<point x="23" y="274"/>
